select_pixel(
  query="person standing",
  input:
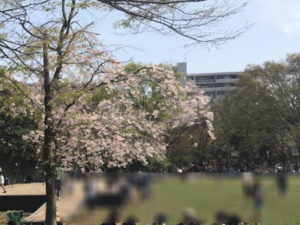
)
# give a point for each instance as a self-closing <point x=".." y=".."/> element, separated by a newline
<point x="58" y="188"/>
<point x="258" y="200"/>
<point x="282" y="184"/>
<point x="248" y="183"/>
<point x="2" y="181"/>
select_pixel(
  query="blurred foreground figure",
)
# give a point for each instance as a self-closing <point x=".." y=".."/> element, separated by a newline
<point x="189" y="218"/>
<point x="228" y="219"/>
<point x="160" y="219"/>
<point x="91" y="191"/>
<point x="6" y="181"/>
<point x="58" y="188"/>
<point x="247" y="184"/>
<point x="68" y="185"/>
<point x="130" y="221"/>
<point x="2" y="181"/>
<point x="258" y="201"/>
<point x="114" y="218"/>
<point x="28" y="179"/>
<point x="143" y="182"/>
<point x="282" y="185"/>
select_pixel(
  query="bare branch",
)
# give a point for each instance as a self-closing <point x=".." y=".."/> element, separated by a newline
<point x="196" y="20"/>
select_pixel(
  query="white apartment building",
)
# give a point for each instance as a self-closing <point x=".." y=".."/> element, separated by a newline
<point x="213" y="84"/>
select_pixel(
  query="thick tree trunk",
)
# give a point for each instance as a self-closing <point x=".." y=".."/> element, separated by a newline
<point x="50" y="174"/>
<point x="49" y="136"/>
<point x="50" y="199"/>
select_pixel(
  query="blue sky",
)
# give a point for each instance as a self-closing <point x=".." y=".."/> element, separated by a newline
<point x="275" y="33"/>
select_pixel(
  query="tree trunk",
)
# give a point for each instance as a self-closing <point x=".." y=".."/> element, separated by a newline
<point x="50" y="199"/>
<point x="49" y="136"/>
<point x="50" y="174"/>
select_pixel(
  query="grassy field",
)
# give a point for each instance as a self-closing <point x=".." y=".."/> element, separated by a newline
<point x="209" y="195"/>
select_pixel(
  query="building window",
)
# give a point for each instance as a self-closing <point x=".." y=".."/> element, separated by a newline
<point x="208" y="85"/>
<point x="210" y="94"/>
<point x="204" y="79"/>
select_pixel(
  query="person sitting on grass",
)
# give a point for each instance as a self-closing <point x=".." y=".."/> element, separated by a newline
<point x="131" y="220"/>
<point x="228" y="219"/>
<point x="2" y="181"/>
<point x="189" y="218"/>
<point x="114" y="218"/>
<point x="160" y="219"/>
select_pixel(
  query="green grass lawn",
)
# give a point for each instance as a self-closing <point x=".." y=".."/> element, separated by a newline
<point x="209" y="195"/>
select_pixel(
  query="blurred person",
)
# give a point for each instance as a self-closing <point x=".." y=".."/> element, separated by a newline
<point x="296" y="167"/>
<point x="247" y="183"/>
<point x="58" y="188"/>
<point x="68" y="187"/>
<point x="233" y="220"/>
<point x="6" y="181"/>
<point x="2" y="181"/>
<point x="125" y="191"/>
<point x="28" y="179"/>
<point x="189" y="218"/>
<point x="160" y="219"/>
<point x="91" y="191"/>
<point x="228" y="219"/>
<point x="282" y="184"/>
<point x="220" y="218"/>
<point x="111" y="181"/>
<point x="131" y="220"/>
<point x="258" y="201"/>
<point x="143" y="185"/>
<point x="114" y="218"/>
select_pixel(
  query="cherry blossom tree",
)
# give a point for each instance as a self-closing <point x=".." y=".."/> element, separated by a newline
<point x="48" y="54"/>
<point x="115" y="131"/>
<point x="66" y="65"/>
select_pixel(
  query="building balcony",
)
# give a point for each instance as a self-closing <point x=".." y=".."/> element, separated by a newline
<point x="217" y="89"/>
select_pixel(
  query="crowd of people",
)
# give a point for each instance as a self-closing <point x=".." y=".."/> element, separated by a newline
<point x="189" y="217"/>
<point x="137" y="186"/>
<point x="252" y="190"/>
<point x="242" y="167"/>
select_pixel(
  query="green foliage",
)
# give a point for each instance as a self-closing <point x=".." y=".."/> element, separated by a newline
<point x="260" y="118"/>
<point x="101" y="94"/>
<point x="189" y="145"/>
<point x="87" y="4"/>
<point x="15" y="121"/>
<point x="148" y="97"/>
<point x="133" y="67"/>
